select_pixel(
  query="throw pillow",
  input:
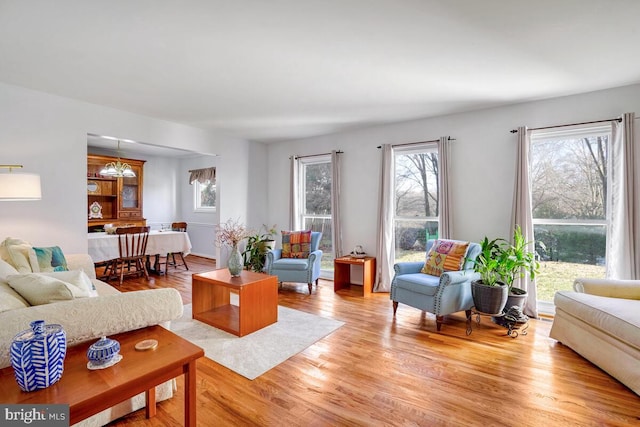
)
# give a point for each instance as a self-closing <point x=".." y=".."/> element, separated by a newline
<point x="4" y="254"/>
<point x="23" y="258"/>
<point x="296" y="244"/>
<point x="6" y="269"/>
<point x="50" y="259"/>
<point x="445" y="255"/>
<point x="38" y="289"/>
<point x="77" y="281"/>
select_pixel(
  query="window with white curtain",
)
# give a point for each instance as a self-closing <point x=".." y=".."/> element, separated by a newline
<point x="314" y="193"/>
<point x="569" y="204"/>
<point x="416" y="194"/>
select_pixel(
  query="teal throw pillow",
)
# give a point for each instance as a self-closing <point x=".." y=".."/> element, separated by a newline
<point x="51" y="259"/>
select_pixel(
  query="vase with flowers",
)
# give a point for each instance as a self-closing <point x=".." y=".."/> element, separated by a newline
<point x="231" y="233"/>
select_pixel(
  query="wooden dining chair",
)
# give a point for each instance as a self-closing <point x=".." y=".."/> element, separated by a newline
<point x="171" y="260"/>
<point x="132" y="245"/>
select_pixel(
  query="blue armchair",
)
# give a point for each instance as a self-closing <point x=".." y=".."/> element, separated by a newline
<point x="297" y="270"/>
<point x="449" y="293"/>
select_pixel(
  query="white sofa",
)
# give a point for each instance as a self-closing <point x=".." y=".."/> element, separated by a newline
<point x="600" y="320"/>
<point x="86" y="319"/>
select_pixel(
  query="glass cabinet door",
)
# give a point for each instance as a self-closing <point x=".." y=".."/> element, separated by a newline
<point x="131" y="190"/>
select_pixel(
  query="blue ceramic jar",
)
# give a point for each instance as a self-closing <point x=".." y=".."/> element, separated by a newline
<point x="37" y="355"/>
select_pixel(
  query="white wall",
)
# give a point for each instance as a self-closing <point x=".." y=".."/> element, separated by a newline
<point x="201" y="225"/>
<point x="483" y="161"/>
<point x="48" y="135"/>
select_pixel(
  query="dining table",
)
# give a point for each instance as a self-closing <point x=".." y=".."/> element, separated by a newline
<point x="104" y="247"/>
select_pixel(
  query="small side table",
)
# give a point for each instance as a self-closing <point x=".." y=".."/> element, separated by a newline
<point x="342" y="273"/>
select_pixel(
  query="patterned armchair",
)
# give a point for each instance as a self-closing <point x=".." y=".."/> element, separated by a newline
<point x="297" y="270"/>
<point x="449" y="293"/>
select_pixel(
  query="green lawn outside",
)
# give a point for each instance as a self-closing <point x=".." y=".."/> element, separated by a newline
<point x="559" y="276"/>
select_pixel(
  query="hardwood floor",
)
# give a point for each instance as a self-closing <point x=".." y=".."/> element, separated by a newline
<point x="377" y="370"/>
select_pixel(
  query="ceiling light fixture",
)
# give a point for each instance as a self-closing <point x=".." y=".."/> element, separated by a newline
<point x="118" y="169"/>
<point x="19" y="186"/>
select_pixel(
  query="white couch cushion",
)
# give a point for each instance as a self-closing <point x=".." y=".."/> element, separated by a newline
<point x="615" y="316"/>
<point x="10" y="299"/>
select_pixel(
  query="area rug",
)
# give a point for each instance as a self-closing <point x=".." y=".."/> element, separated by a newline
<point x="256" y="353"/>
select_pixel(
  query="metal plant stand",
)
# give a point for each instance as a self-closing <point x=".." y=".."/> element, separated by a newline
<point x="515" y="326"/>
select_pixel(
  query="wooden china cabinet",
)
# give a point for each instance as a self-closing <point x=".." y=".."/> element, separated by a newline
<point x="117" y="200"/>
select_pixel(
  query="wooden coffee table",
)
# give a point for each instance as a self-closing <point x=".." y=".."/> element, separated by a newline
<point x="88" y="392"/>
<point x="257" y="300"/>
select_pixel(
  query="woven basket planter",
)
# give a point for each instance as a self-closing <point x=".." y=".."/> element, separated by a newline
<point x="489" y="299"/>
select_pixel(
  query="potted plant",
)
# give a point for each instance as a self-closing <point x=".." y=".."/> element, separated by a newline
<point x="518" y="262"/>
<point x="489" y="293"/>
<point x="255" y="252"/>
<point x="499" y="264"/>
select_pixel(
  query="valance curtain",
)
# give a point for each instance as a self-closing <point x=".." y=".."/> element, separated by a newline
<point x="445" y="230"/>
<point x="336" y="208"/>
<point x="623" y="236"/>
<point x="522" y="215"/>
<point x="385" y="247"/>
<point x="202" y="175"/>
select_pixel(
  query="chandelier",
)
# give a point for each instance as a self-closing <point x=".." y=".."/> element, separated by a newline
<point x="118" y="169"/>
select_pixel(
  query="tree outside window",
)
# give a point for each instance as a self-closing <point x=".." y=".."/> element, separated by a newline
<point x="315" y="204"/>
<point x="569" y="205"/>
<point x="416" y="197"/>
<point x="204" y="196"/>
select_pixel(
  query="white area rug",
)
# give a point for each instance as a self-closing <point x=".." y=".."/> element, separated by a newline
<point x="256" y="353"/>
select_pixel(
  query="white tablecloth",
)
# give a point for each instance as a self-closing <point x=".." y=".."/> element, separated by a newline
<point x="103" y="246"/>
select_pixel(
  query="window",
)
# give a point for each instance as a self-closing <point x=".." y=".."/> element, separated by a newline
<point x="204" y="196"/>
<point x="315" y="202"/>
<point x="416" y="193"/>
<point x="569" y="205"/>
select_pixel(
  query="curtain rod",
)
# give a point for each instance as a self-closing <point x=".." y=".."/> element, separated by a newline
<point x="420" y="142"/>
<point x="571" y="124"/>
<point x="317" y="155"/>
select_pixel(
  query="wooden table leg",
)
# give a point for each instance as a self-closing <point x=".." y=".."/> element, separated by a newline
<point x="190" y="394"/>
<point x="150" y="396"/>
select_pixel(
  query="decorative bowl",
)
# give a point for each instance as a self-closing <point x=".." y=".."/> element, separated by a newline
<point x="103" y="351"/>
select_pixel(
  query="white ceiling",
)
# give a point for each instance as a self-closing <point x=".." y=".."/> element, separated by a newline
<point x="287" y="69"/>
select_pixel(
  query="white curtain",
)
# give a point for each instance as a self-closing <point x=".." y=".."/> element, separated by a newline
<point x="294" y="221"/>
<point x="336" y="208"/>
<point x="385" y="250"/>
<point x="522" y="215"/>
<point x="444" y="198"/>
<point x="623" y="236"/>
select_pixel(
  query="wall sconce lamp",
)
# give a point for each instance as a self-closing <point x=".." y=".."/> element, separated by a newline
<point x="19" y="186"/>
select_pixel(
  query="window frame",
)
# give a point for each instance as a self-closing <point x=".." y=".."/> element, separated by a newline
<point x="302" y="215"/>
<point x="427" y="147"/>
<point x="197" y="197"/>
<point x="558" y="135"/>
